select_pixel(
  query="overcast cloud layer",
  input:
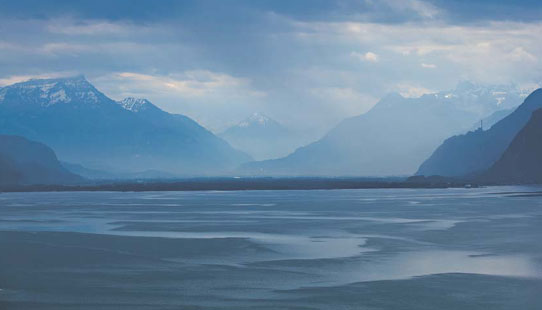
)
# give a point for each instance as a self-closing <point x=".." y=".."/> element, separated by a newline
<point x="308" y="64"/>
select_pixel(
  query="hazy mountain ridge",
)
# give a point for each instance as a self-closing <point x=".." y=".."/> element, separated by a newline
<point x="394" y="137"/>
<point x="133" y="135"/>
<point x="27" y="162"/>
<point x="84" y="126"/>
<point x="476" y="151"/>
<point x="262" y="137"/>
<point x="492" y="119"/>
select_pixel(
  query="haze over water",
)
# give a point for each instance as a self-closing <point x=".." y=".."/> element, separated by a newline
<point x="335" y="249"/>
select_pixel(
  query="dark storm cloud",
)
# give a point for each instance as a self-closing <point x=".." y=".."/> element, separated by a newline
<point x="459" y="11"/>
<point x="242" y="11"/>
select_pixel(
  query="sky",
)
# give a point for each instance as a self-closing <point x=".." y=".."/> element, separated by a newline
<point x="306" y="63"/>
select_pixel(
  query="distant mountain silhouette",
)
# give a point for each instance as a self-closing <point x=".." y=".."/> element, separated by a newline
<point x="91" y="174"/>
<point x="522" y="160"/>
<point x="86" y="127"/>
<point x="95" y="174"/>
<point x="394" y="137"/>
<point x="27" y="162"/>
<point x="261" y="137"/>
<point x="491" y="120"/>
<point x="476" y="151"/>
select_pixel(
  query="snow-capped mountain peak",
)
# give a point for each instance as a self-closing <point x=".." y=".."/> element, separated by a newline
<point x="256" y="119"/>
<point x="262" y="137"/>
<point x="474" y="98"/>
<point x="483" y="99"/>
<point x="48" y="92"/>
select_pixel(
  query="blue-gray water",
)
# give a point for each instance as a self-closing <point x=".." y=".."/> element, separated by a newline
<point x="337" y="249"/>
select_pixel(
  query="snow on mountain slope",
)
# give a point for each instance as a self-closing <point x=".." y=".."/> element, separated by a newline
<point x="48" y="92"/>
<point x="136" y="104"/>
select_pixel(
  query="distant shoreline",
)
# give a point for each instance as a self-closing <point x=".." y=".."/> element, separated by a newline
<point x="238" y="184"/>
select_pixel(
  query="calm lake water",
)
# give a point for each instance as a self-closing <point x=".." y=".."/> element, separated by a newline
<point x="335" y="249"/>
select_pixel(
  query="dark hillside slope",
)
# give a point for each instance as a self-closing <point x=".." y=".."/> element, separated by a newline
<point x="476" y="151"/>
<point x="522" y="160"/>
<point x="28" y="162"/>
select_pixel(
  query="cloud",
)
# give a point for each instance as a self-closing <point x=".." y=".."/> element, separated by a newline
<point x="519" y="54"/>
<point x="60" y="48"/>
<point x="369" y="56"/>
<point x="198" y="83"/>
<point x="422" y="8"/>
<point x="391" y="11"/>
<point x="100" y="27"/>
<point x="412" y="91"/>
<point x="351" y="101"/>
<point x="212" y="98"/>
<point x="496" y="52"/>
<point x="21" y="78"/>
<point x="8" y="46"/>
<point x="308" y="63"/>
<point x="420" y="48"/>
<point x="428" y="66"/>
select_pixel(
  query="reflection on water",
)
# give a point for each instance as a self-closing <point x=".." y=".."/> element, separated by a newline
<point x="406" y="265"/>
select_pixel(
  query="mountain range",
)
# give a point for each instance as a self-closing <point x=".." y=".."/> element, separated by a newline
<point x="27" y="162"/>
<point x="261" y="137"/>
<point x="86" y="127"/>
<point x="476" y="151"/>
<point x="97" y="137"/>
<point x="395" y="136"/>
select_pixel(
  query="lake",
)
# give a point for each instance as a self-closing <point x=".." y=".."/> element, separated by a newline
<point x="323" y="249"/>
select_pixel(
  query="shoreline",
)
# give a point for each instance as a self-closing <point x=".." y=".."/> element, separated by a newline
<point x="239" y="184"/>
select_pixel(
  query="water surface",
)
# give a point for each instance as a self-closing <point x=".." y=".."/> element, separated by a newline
<point x="331" y="249"/>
